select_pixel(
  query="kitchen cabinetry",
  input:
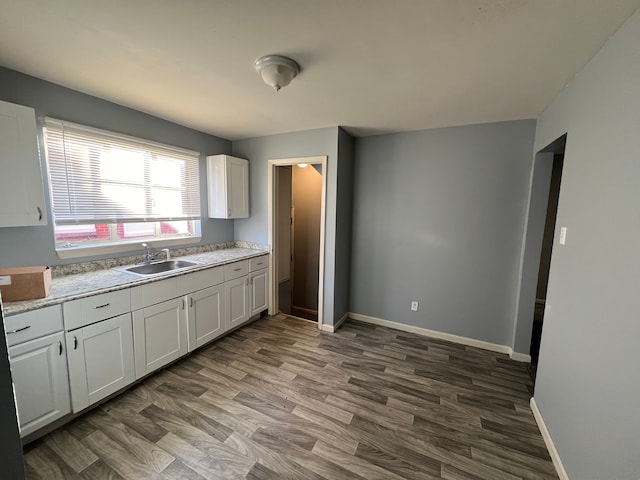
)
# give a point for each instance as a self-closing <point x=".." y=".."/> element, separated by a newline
<point x="103" y="343"/>
<point x="159" y="335"/>
<point x="100" y="346"/>
<point x="258" y="284"/>
<point x="21" y="186"/>
<point x="206" y="316"/>
<point x="236" y="293"/>
<point x="204" y="295"/>
<point x="38" y="367"/>
<point x="227" y="186"/>
<point x="259" y="294"/>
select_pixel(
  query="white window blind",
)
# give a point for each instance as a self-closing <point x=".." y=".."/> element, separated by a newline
<point x="98" y="176"/>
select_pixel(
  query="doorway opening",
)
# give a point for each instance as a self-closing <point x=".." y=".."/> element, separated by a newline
<point x="296" y="232"/>
<point x="556" y="157"/>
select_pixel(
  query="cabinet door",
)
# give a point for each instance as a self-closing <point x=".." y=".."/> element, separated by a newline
<point x="227" y="186"/>
<point x="259" y="284"/>
<point x="206" y="316"/>
<point x="100" y="360"/>
<point x="41" y="381"/>
<point x="159" y="335"/>
<point x="238" y="187"/>
<point x="236" y="293"/>
<point x="21" y="187"/>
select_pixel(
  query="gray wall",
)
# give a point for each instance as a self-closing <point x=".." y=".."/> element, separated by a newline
<point x="534" y="235"/>
<point x="320" y="142"/>
<point x="438" y="218"/>
<point x="283" y="233"/>
<point x="344" y="222"/>
<point x="306" y="200"/>
<point x="35" y="245"/>
<point x="588" y="385"/>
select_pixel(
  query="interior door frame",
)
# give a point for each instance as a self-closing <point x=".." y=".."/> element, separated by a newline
<point x="272" y="227"/>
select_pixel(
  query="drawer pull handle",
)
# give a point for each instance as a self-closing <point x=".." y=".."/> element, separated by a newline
<point x="191" y="302"/>
<point x="59" y="348"/>
<point x="237" y="269"/>
<point x="39" y="214"/>
<point x="183" y="304"/>
<point x="101" y="306"/>
<point x="17" y="330"/>
<point x="75" y="342"/>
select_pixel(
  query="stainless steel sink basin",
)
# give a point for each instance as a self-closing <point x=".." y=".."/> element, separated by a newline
<point x="160" y="267"/>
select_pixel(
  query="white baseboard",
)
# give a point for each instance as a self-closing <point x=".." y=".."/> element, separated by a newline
<point x="520" y="357"/>
<point x="335" y="326"/>
<point x="341" y="321"/>
<point x="472" y="342"/>
<point x="555" y="457"/>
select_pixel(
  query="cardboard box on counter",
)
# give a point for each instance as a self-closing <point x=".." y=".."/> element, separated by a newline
<point x="24" y="283"/>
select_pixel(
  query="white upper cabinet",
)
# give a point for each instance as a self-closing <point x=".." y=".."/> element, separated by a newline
<point x="21" y="187"/>
<point x="228" y="186"/>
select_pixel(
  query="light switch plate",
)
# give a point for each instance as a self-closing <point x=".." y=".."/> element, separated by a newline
<point x="563" y="235"/>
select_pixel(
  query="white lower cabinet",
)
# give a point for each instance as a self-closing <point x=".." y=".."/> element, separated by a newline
<point x="41" y="381"/>
<point x="100" y="360"/>
<point x="206" y="316"/>
<point x="236" y="293"/>
<point x="159" y="335"/>
<point x="108" y="346"/>
<point x="259" y="284"/>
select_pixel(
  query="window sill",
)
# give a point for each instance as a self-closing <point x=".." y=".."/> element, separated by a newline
<point x="105" y="249"/>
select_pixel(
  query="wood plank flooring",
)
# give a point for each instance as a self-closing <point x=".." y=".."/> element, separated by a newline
<point x="278" y="399"/>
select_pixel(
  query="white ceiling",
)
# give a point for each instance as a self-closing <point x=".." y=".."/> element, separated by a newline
<point x="372" y="66"/>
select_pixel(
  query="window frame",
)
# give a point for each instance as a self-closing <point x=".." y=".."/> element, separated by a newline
<point x="113" y="244"/>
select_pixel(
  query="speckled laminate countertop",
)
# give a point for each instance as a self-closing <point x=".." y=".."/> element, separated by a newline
<point x="71" y="287"/>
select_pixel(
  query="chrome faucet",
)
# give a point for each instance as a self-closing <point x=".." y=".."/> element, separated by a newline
<point x="149" y="255"/>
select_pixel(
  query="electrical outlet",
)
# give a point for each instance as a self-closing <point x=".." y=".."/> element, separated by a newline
<point x="414" y="306"/>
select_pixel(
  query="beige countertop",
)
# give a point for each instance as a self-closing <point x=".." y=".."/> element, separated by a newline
<point x="71" y="287"/>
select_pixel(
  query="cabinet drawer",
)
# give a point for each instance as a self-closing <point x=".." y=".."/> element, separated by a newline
<point x="236" y="270"/>
<point x="26" y="326"/>
<point x="192" y="282"/>
<point x="152" y="293"/>
<point x="86" y="311"/>
<point x="258" y="263"/>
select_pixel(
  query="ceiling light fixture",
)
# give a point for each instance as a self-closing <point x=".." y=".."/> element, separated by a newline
<point x="303" y="165"/>
<point x="277" y="71"/>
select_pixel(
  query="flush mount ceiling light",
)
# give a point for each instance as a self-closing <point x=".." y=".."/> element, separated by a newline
<point x="277" y="71"/>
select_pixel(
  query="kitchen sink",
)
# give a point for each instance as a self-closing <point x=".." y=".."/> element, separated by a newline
<point x="160" y="267"/>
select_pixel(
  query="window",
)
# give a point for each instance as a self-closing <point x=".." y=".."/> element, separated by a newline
<point x="109" y="189"/>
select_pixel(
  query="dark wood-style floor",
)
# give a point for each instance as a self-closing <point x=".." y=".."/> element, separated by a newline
<point x="278" y="399"/>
